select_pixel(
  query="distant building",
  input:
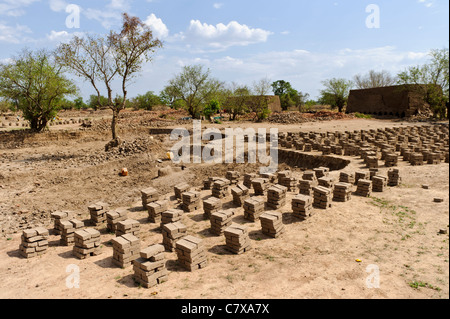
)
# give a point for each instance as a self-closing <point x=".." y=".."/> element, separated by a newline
<point x="399" y="101"/>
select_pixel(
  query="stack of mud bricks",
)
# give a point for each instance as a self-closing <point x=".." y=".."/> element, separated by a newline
<point x="34" y="242"/>
<point x="302" y="206"/>
<point x="172" y="232"/>
<point x="394" y="177"/>
<point x="346" y="178"/>
<point x="342" y="192"/>
<point x="240" y="193"/>
<point x="321" y="172"/>
<point x="220" y="188"/>
<point x="260" y="186"/>
<point x="115" y="216"/>
<point x="308" y="182"/>
<point x="248" y="180"/>
<point x="58" y="217"/>
<point x="272" y="224"/>
<point x="155" y="210"/>
<point x="322" y="197"/>
<point x="253" y="208"/>
<point x="276" y="196"/>
<point x="237" y="239"/>
<point x="391" y="160"/>
<point x="191" y="201"/>
<point x="233" y="177"/>
<point x="97" y="212"/>
<point x="271" y="177"/>
<point x="128" y="226"/>
<point x="191" y="253"/>
<point x="372" y="161"/>
<point x="416" y="159"/>
<point x="150" y="268"/>
<point x="69" y="227"/>
<point x="180" y="189"/>
<point x="379" y="183"/>
<point x="364" y="188"/>
<point x="361" y="175"/>
<point x="87" y="243"/>
<point x="286" y="179"/>
<point x="433" y="158"/>
<point x="220" y="221"/>
<point x="210" y="206"/>
<point x="149" y="195"/>
<point x="171" y="216"/>
<point x="125" y="250"/>
<point x="327" y="182"/>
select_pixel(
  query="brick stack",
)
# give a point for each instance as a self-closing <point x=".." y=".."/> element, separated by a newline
<point x="364" y="188"/>
<point x="233" y="177"/>
<point x="394" y="177"/>
<point x="361" y="175"/>
<point x="58" y="217"/>
<point x="302" y="206"/>
<point x="276" y="196"/>
<point x="391" y="160"/>
<point x="115" y="216"/>
<point x="156" y="209"/>
<point x="272" y="224"/>
<point x="220" y="221"/>
<point x="191" y="201"/>
<point x="372" y="161"/>
<point x="150" y="269"/>
<point x="210" y="206"/>
<point x="125" y="250"/>
<point x="207" y="183"/>
<point x="220" y="188"/>
<point x="253" y="208"/>
<point x="171" y="233"/>
<point x="180" y="189"/>
<point x="149" y="195"/>
<point x="327" y="182"/>
<point x="237" y="239"/>
<point x="321" y="172"/>
<point x="191" y="253"/>
<point x="346" y="178"/>
<point x="128" y="226"/>
<point x="379" y="183"/>
<point x="271" y="177"/>
<point x="416" y="159"/>
<point x="240" y="193"/>
<point x="342" y="192"/>
<point x="87" y="243"/>
<point x="69" y="227"/>
<point x="322" y="197"/>
<point x="171" y="216"/>
<point x="310" y="176"/>
<point x="434" y="158"/>
<point x="248" y="179"/>
<point x="97" y="212"/>
<point x="260" y="185"/>
<point x="305" y="187"/>
<point x="34" y="242"/>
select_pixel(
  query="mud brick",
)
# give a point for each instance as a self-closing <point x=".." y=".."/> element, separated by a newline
<point x="248" y="179"/>
<point x="342" y="192"/>
<point x="394" y="177"/>
<point x="271" y="177"/>
<point x="180" y="189"/>
<point x="151" y="252"/>
<point x="361" y="175"/>
<point x="302" y="206"/>
<point x="434" y="158"/>
<point x="59" y="216"/>
<point x="321" y="172"/>
<point x="34" y="242"/>
<point x="346" y="178"/>
<point x="150" y="269"/>
<point x="192" y="207"/>
<point x="416" y="159"/>
<point x="240" y="193"/>
<point x="128" y="226"/>
<point x="221" y="220"/>
<point x="260" y="185"/>
<point x="97" y="211"/>
<point x="149" y="195"/>
<point x="233" y="177"/>
<point x="372" y="162"/>
<point x="171" y="216"/>
<point x="125" y="249"/>
<point x="305" y="187"/>
<point x="253" y="208"/>
<point x="290" y="183"/>
<point x="87" y="243"/>
<point x="191" y="253"/>
<point x="364" y="188"/>
<point x="155" y="210"/>
<point x="272" y="224"/>
<point x="284" y="174"/>
<point x="379" y="183"/>
<point x="322" y="197"/>
<point x="208" y="183"/>
<point x="68" y="231"/>
<point x="210" y="206"/>
<point x="308" y="147"/>
<point x="237" y="239"/>
<point x="309" y="176"/>
<point x="327" y="182"/>
<point x="276" y="196"/>
<point x="115" y="216"/>
<point x="390" y="160"/>
<point x="191" y="201"/>
<point x="171" y="233"/>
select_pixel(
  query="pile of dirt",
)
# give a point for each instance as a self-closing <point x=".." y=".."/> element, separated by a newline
<point x="297" y="117"/>
<point x="15" y="222"/>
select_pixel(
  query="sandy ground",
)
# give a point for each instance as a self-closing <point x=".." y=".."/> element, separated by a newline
<point x="395" y="232"/>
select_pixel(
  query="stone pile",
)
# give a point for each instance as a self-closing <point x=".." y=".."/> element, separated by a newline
<point x="87" y="243"/>
<point x="322" y="197"/>
<point x="34" y="242"/>
<point x="302" y="206"/>
<point x="342" y="192"/>
<point x="276" y="196"/>
<point x="172" y="232"/>
<point x="149" y="195"/>
<point x="272" y="224"/>
<point x="156" y="209"/>
<point x="220" y="221"/>
<point x="150" y="269"/>
<point x="253" y="208"/>
<point x="191" y="253"/>
<point x="97" y="212"/>
<point x="115" y="216"/>
<point x="240" y="193"/>
<point x="210" y="206"/>
<point x="237" y="239"/>
<point x="125" y="250"/>
<point x="191" y="201"/>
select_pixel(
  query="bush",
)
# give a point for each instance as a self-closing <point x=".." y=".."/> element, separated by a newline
<point x="362" y="116"/>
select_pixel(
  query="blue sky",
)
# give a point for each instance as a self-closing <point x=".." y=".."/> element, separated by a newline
<point x="303" y="42"/>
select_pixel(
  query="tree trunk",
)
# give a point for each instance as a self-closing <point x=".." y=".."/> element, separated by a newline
<point x="114" y="124"/>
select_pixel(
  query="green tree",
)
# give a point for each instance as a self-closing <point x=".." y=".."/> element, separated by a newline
<point x="79" y="103"/>
<point x="336" y="93"/>
<point x="37" y="84"/>
<point x="146" y="101"/>
<point x="289" y="97"/>
<point x="213" y="107"/>
<point x="259" y="102"/>
<point x="195" y="87"/>
<point x="431" y="81"/>
<point x="101" y="60"/>
<point x="236" y="103"/>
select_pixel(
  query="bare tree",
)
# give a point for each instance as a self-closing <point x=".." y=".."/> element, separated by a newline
<point x="118" y="56"/>
<point x="374" y="79"/>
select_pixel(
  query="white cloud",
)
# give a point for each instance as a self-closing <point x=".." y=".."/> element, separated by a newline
<point x="14" y="34"/>
<point x="158" y="27"/>
<point x="221" y="36"/>
<point x="217" y="5"/>
<point x="111" y="15"/>
<point x="58" y="5"/>
<point x="15" y="8"/>
<point x="62" y="36"/>
<point x="426" y="3"/>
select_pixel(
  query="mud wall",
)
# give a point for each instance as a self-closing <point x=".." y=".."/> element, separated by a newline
<point x="309" y="161"/>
